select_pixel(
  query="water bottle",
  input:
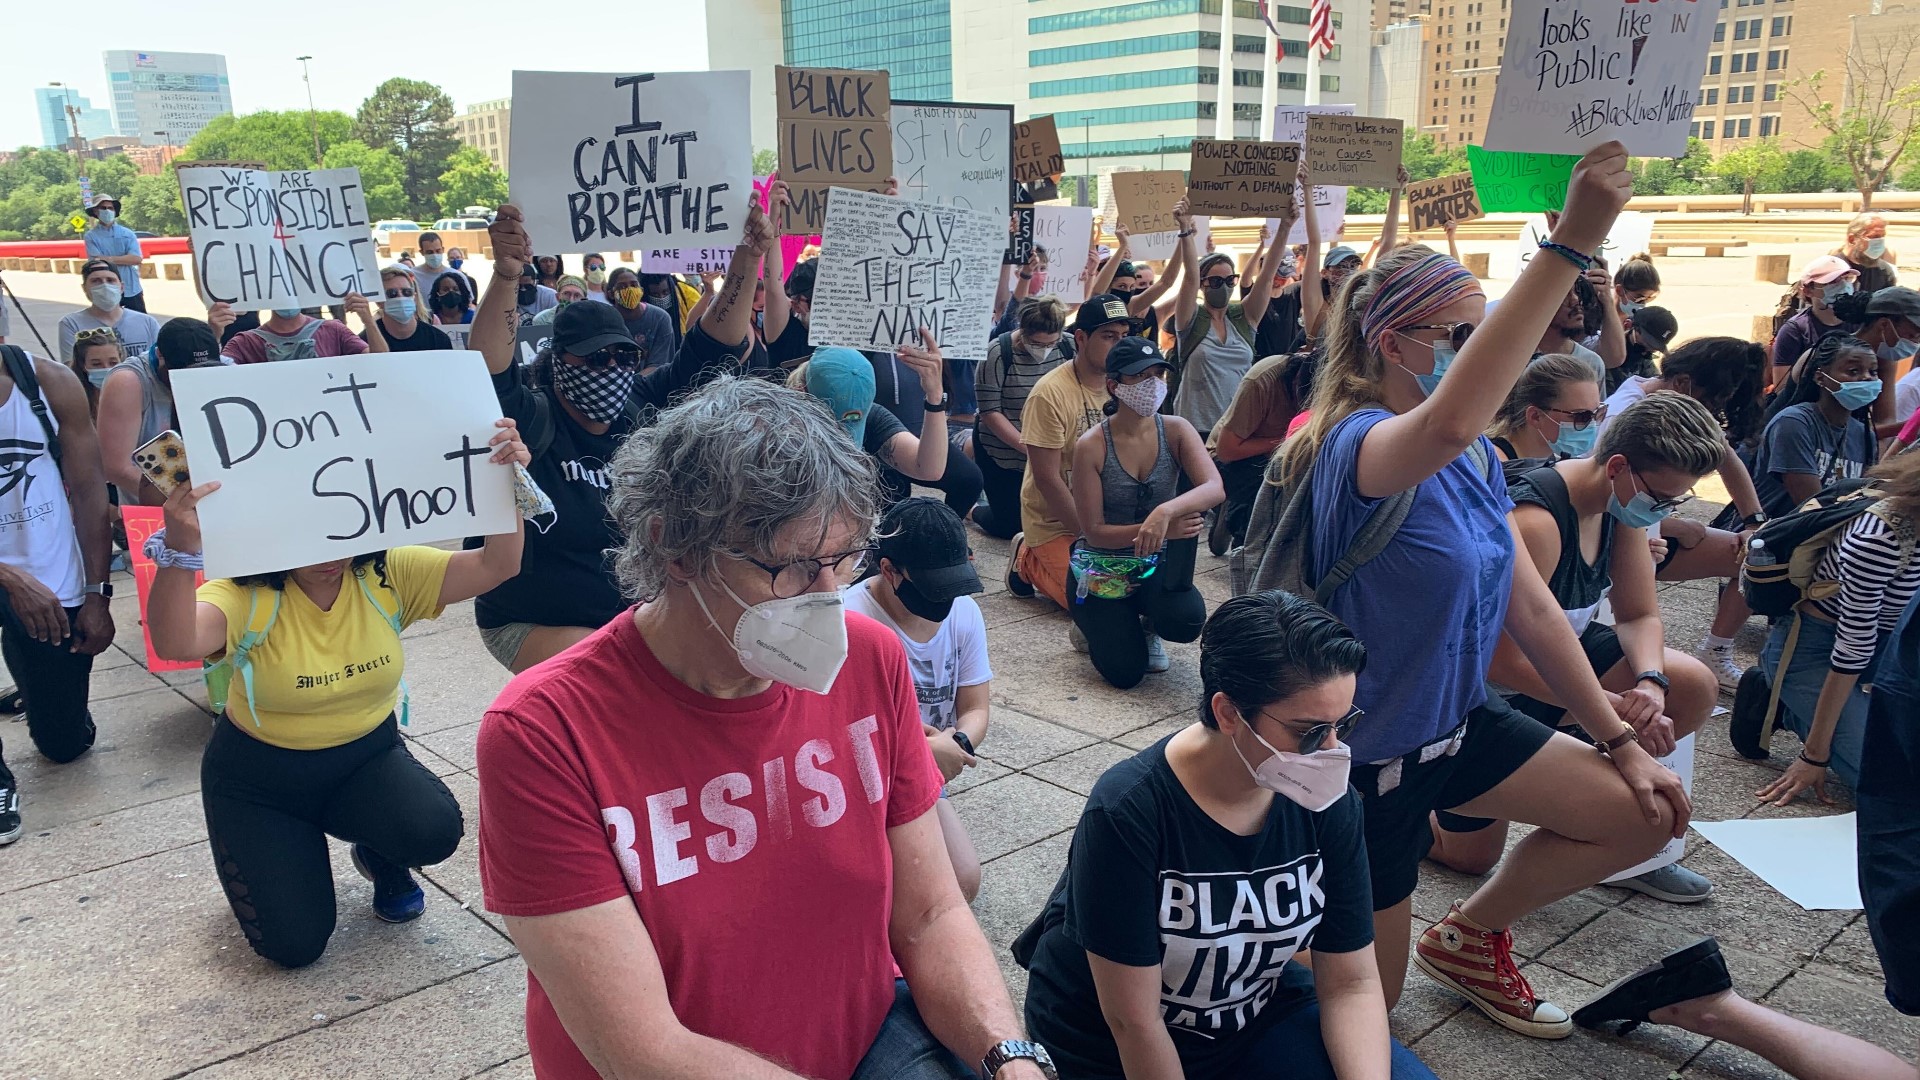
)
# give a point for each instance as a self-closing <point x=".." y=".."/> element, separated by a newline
<point x="1757" y="553"/>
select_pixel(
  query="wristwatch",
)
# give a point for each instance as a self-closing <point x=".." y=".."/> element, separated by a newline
<point x="1756" y="519"/>
<point x="941" y="405"/>
<point x="104" y="590"/>
<point x="1618" y="741"/>
<point x="1016" y="1050"/>
<point x="965" y="743"/>
<point x="1658" y="678"/>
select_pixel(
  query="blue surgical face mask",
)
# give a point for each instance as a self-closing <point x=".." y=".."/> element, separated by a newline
<point x="286" y="313"/>
<point x="1830" y="293"/>
<point x="433" y="258"/>
<point x="98" y="376"/>
<point x="1901" y="349"/>
<point x="455" y="263"/>
<point x="1856" y="395"/>
<point x="1876" y="247"/>
<point x="400" y="308"/>
<point x="107" y="217"/>
<point x="1628" y="308"/>
<point x="1443" y="355"/>
<point x="1575" y="441"/>
<point x="1638" y="512"/>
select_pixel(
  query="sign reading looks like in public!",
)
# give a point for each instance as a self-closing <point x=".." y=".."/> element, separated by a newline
<point x="260" y="239"/>
<point x="834" y="132"/>
<point x="890" y="267"/>
<point x="603" y="161"/>
<point x="336" y="456"/>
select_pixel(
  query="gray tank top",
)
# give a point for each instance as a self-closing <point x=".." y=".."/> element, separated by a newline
<point x="1127" y="500"/>
<point x="156" y="412"/>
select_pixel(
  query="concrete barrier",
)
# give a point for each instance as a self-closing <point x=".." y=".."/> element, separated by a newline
<point x="1774" y="268"/>
<point x="146" y="271"/>
<point x="1479" y="264"/>
<point x="176" y="272"/>
<point x="44" y="266"/>
<point x="63" y="266"/>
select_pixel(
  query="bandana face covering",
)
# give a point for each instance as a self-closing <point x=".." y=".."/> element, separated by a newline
<point x="599" y="393"/>
<point x="1143" y="397"/>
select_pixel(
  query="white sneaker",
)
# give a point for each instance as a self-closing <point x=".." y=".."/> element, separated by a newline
<point x="1157" y="659"/>
<point x="1673" y="883"/>
<point x="1077" y="639"/>
<point x="1719" y="660"/>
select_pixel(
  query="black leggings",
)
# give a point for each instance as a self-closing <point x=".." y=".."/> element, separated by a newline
<point x="1116" y="640"/>
<point x="53" y="682"/>
<point x="961" y="482"/>
<point x="1001" y="516"/>
<point x="1242" y="480"/>
<point x="270" y="811"/>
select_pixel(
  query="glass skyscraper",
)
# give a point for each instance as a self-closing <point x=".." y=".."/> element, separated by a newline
<point x="910" y="38"/>
<point x="166" y="97"/>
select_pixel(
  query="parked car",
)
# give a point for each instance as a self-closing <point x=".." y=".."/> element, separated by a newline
<point x="457" y="223"/>
<point x="383" y="231"/>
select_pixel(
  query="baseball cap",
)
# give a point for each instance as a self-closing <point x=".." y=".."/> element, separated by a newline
<point x="1336" y="255"/>
<point x="1100" y="310"/>
<point x="1656" y="327"/>
<point x="91" y="265"/>
<point x="184" y="343"/>
<point x="582" y="329"/>
<point x="926" y="540"/>
<point x="843" y="379"/>
<point x="1897" y="300"/>
<point x="1825" y="270"/>
<point x="1133" y="355"/>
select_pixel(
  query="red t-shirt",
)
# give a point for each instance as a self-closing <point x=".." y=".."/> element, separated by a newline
<point x="751" y="834"/>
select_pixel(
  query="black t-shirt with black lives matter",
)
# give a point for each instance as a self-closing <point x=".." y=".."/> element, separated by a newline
<point x="1152" y="881"/>
<point x="566" y="578"/>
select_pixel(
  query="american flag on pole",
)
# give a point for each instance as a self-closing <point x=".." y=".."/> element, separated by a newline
<point x="1320" y="27"/>
<point x="1266" y="16"/>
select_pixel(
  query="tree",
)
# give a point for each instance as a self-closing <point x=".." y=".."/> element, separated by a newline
<point x="414" y="119"/>
<point x="470" y="180"/>
<point x="153" y="204"/>
<point x="278" y="140"/>
<point x="765" y="162"/>
<point x="1425" y="160"/>
<point x="1874" y="114"/>
<point x="1750" y="168"/>
<point x="1689" y="175"/>
<point x="382" y="176"/>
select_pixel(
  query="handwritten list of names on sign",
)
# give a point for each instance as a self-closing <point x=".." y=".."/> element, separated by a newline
<point x="890" y="267"/>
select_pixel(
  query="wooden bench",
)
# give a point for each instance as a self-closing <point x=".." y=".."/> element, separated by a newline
<point x="1714" y="249"/>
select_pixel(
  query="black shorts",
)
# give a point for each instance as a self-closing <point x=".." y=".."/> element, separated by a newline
<point x="1888" y="827"/>
<point x="1497" y="742"/>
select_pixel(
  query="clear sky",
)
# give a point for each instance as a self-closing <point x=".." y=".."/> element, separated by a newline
<point x="353" y="49"/>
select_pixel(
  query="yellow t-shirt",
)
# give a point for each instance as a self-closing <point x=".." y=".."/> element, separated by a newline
<point x="1059" y="410"/>
<point x="325" y="678"/>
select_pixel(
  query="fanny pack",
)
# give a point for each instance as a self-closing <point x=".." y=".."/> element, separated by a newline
<point x="1108" y="576"/>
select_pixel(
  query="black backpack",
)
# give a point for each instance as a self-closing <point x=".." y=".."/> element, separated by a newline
<point x="20" y="367"/>
<point x="1795" y="543"/>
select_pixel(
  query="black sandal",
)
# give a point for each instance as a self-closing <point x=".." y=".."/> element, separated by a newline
<point x="1695" y="971"/>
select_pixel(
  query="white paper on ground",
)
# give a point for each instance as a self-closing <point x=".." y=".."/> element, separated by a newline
<point x="1813" y="862"/>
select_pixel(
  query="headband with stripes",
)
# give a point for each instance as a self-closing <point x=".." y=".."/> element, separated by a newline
<point x="1413" y="293"/>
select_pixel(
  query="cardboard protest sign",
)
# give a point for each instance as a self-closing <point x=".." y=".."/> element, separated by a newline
<point x="1522" y="183"/>
<point x="603" y="161"/>
<point x="530" y="338"/>
<point x="686" y="260"/>
<point x="1020" y="240"/>
<point x="260" y="239"/>
<point x="142" y="522"/>
<point x="891" y="266"/>
<point x="1354" y="151"/>
<point x="1242" y="178"/>
<point x="1066" y="232"/>
<point x="1577" y="73"/>
<point x="1036" y="151"/>
<point x="833" y="133"/>
<point x="955" y="155"/>
<point x="1329" y="200"/>
<point x="1145" y="200"/>
<point x="1630" y="235"/>
<point x="1434" y="203"/>
<point x="336" y="456"/>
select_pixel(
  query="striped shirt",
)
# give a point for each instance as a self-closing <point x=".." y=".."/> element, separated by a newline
<point x="1874" y="588"/>
<point x="1002" y="386"/>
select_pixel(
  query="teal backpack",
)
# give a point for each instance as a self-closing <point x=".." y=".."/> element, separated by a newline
<point x="219" y="674"/>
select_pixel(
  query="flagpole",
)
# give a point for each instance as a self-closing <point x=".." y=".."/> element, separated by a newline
<point x="1313" y="74"/>
<point x="1223" y="110"/>
<point x="1269" y="74"/>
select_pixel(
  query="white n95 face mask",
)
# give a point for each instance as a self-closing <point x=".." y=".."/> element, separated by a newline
<point x="800" y="641"/>
<point x="1314" y="781"/>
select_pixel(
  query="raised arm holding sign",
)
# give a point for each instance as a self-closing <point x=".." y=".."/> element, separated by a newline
<point x="890" y="267"/>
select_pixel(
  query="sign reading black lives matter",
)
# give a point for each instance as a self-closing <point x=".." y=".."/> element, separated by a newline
<point x="613" y="161"/>
<point x="890" y="267"/>
<point x="336" y="456"/>
<point x="1579" y="72"/>
<point x="266" y="239"/>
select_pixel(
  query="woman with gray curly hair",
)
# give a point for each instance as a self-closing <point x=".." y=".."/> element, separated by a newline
<point x="725" y="794"/>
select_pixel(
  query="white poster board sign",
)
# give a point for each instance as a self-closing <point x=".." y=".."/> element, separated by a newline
<point x="1063" y="230"/>
<point x="1632" y="234"/>
<point x="606" y="161"/>
<point x="336" y="456"/>
<point x="1577" y="73"/>
<point x="264" y="239"/>
<point x="953" y="154"/>
<point x="686" y="260"/>
<point x="1681" y="762"/>
<point x="1329" y="203"/>
<point x="890" y="267"/>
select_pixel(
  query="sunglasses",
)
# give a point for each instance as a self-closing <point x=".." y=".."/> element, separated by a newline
<point x="1315" y="737"/>
<point x="395" y="293"/>
<point x="623" y="356"/>
<point x="98" y="333"/>
<point x="1457" y="332"/>
<point x="1580" y="418"/>
<point x="1216" y="282"/>
<point x="1659" y="504"/>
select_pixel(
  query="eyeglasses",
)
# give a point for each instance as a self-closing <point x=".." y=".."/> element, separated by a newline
<point x="797" y="577"/>
<point x="398" y="292"/>
<point x="623" y="356"/>
<point x="1457" y="332"/>
<point x="1315" y="737"/>
<point x="1659" y="503"/>
<point x="1216" y="282"/>
<point x="1581" y="418"/>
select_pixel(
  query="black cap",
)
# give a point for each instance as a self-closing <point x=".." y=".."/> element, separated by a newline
<point x="1896" y="300"/>
<point x="927" y="541"/>
<point x="1133" y="355"/>
<point x="588" y="327"/>
<point x="1655" y="327"/>
<point x="1100" y="310"/>
<point x="184" y="343"/>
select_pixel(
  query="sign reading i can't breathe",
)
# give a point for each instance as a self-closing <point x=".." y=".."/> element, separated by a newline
<point x="260" y="239"/>
<point x="890" y="267"/>
<point x="336" y="456"/>
<point x="1579" y="72"/>
<point x="662" y="160"/>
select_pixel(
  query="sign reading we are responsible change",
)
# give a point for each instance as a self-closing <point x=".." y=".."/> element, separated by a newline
<point x="261" y="239"/>
<point x="890" y="267"/>
<point x="337" y="456"/>
<point x="1579" y="72"/>
<point x="637" y="160"/>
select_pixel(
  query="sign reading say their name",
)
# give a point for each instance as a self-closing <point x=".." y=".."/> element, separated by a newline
<point x="833" y="126"/>
<point x="955" y="155"/>
<point x="1579" y="72"/>
<point x="1242" y="178"/>
<point x="278" y="239"/>
<point x="663" y="158"/>
<point x="1329" y="200"/>
<point x="890" y="267"/>
<point x="1434" y="203"/>
<point x="336" y="456"/>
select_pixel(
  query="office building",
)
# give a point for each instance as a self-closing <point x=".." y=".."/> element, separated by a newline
<point x="1394" y="73"/>
<point x="1757" y="48"/>
<point x="1127" y="83"/>
<point x="1460" y="62"/>
<point x="50" y="104"/>
<point x="165" y="98"/>
<point x="1393" y="12"/>
<point x="485" y="127"/>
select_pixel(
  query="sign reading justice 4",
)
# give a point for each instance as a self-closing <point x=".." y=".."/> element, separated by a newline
<point x="336" y="456"/>
<point x="664" y="160"/>
<point x="278" y="239"/>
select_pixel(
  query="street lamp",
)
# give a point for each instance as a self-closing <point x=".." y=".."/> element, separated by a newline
<point x="313" y="122"/>
<point x="77" y="144"/>
<point x="1086" y="154"/>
